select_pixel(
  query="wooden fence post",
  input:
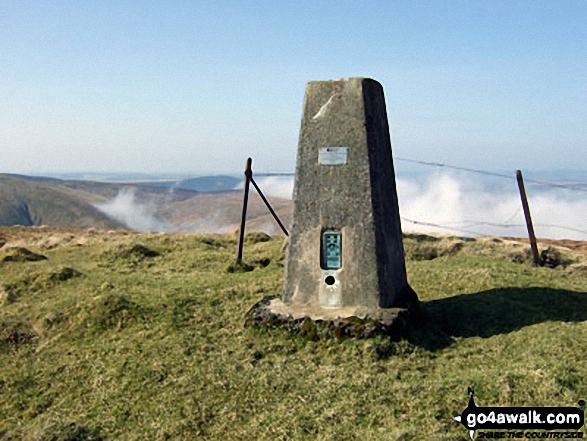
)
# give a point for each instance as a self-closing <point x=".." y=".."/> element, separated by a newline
<point x="526" y="208"/>
<point x="241" y="239"/>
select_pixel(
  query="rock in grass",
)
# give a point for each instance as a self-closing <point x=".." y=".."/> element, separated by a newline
<point x="63" y="274"/>
<point x="262" y="263"/>
<point x="425" y="249"/>
<point x="552" y="257"/>
<point x="142" y="251"/>
<point x="257" y="237"/>
<point x="521" y="256"/>
<point x="424" y="253"/>
<point x="15" y="334"/>
<point x="21" y="255"/>
<point x="211" y="241"/>
<point x="421" y="237"/>
<point x="238" y="266"/>
<point x="128" y="255"/>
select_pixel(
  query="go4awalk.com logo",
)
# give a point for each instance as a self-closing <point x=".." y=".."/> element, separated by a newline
<point x="515" y="422"/>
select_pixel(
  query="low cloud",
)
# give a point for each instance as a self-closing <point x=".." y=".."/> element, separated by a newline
<point x="277" y="186"/>
<point x="433" y="203"/>
<point x="445" y="203"/>
<point x="126" y="209"/>
<point x="140" y="216"/>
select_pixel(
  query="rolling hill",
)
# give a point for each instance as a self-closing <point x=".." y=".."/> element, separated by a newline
<point x="31" y="202"/>
<point x="35" y="201"/>
<point x="203" y="184"/>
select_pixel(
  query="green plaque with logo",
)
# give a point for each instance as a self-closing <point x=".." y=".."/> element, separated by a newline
<point x="331" y="250"/>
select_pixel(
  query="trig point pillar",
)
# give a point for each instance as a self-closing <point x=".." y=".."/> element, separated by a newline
<point x="346" y="241"/>
<point x="345" y="255"/>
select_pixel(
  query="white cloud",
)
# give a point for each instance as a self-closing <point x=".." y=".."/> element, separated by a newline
<point x="278" y="186"/>
<point x="453" y="204"/>
<point x="127" y="210"/>
<point x="437" y="203"/>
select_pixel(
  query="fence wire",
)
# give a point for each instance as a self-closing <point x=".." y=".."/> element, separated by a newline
<point x="465" y="226"/>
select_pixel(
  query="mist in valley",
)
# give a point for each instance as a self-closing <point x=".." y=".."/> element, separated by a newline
<point x="441" y="202"/>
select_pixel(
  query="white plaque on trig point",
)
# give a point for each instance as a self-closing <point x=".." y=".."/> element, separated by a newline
<point x="333" y="155"/>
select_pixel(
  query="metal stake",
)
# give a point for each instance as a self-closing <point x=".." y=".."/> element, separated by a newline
<point x="269" y="207"/>
<point x="526" y="208"/>
<point x="241" y="239"/>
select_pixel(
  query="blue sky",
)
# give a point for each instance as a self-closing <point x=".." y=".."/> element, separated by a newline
<point x="197" y="86"/>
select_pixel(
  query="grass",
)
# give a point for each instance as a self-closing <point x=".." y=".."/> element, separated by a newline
<point x="140" y="336"/>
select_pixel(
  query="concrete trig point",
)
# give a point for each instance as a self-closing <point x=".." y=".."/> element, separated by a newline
<point x="345" y="255"/>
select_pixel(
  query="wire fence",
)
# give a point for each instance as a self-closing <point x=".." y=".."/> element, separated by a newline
<point x="575" y="187"/>
<point x="572" y="187"/>
<point x="473" y="226"/>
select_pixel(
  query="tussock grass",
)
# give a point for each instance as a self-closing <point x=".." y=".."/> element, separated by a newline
<point x="153" y="347"/>
<point x="20" y="254"/>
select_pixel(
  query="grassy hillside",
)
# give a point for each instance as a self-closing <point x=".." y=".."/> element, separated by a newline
<point x="29" y="203"/>
<point x="139" y="336"/>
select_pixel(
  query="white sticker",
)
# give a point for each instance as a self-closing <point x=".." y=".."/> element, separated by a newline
<point x="333" y="155"/>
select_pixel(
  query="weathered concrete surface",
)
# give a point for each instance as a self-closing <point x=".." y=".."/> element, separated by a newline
<point x="316" y="323"/>
<point x="317" y="312"/>
<point x="357" y="199"/>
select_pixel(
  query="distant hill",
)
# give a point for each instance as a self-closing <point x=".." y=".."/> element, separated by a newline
<point x="209" y="184"/>
<point x="221" y="212"/>
<point x="203" y="184"/>
<point x="33" y="203"/>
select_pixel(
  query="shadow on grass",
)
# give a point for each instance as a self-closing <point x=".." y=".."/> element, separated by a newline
<point x="494" y="312"/>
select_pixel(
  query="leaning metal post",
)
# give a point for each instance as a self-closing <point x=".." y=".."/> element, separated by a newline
<point x="241" y="239"/>
<point x="529" y="225"/>
<point x="269" y="206"/>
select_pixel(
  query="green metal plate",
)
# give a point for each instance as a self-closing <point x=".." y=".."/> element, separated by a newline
<point x="331" y="250"/>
